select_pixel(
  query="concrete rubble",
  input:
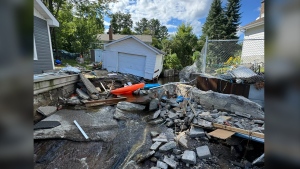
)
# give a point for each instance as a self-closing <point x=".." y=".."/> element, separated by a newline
<point x="127" y="106"/>
<point x="190" y="119"/>
<point x="187" y="123"/>
<point x="47" y="110"/>
<point x="99" y="126"/>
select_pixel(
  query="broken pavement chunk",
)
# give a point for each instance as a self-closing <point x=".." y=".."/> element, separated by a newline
<point x="154" y="133"/>
<point x="156" y="114"/>
<point x="127" y="106"/>
<point x="243" y="114"/>
<point x="155" y="145"/>
<point x="196" y="132"/>
<point x="204" y="123"/>
<point x="161" y="165"/>
<point x="181" y="139"/>
<point x="161" y="138"/>
<point x="203" y="152"/>
<point x="170" y="162"/>
<point x="144" y="156"/>
<point x="189" y="157"/>
<point x="156" y="121"/>
<point x="239" y="125"/>
<point x="47" y="110"/>
<point x="168" y="146"/>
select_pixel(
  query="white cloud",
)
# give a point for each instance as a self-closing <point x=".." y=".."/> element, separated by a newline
<point x="106" y="23"/>
<point x="187" y="11"/>
<point x="171" y="26"/>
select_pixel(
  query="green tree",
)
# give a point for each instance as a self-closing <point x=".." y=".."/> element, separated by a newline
<point x="171" y="61"/>
<point x="153" y="28"/>
<point x="183" y="43"/>
<point x="80" y="22"/>
<point x="141" y="26"/>
<point x="120" y="21"/>
<point x="233" y="18"/>
<point x="214" y="26"/>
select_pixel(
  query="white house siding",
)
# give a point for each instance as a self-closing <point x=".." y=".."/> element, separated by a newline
<point x="158" y="65"/>
<point x="110" y="61"/>
<point x="131" y="46"/>
<point x="253" y="50"/>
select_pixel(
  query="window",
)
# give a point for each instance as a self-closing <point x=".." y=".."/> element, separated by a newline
<point x="34" y="50"/>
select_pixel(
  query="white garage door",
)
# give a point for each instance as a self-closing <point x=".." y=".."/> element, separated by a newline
<point x="133" y="64"/>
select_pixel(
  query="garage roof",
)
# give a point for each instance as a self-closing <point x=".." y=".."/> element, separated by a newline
<point x="157" y="51"/>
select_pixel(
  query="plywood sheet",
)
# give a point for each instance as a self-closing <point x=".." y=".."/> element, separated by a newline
<point x="222" y="134"/>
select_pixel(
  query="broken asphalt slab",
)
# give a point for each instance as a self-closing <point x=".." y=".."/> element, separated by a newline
<point x="127" y="106"/>
<point x="99" y="126"/>
<point x="47" y="110"/>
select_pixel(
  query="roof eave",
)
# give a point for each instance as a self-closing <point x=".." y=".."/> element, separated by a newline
<point x="137" y="39"/>
<point x="43" y="10"/>
<point x="252" y="25"/>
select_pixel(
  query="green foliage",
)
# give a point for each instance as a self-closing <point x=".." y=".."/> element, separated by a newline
<point x="183" y="43"/>
<point x="153" y="28"/>
<point x="214" y="27"/>
<point x="141" y="27"/>
<point x="196" y="56"/>
<point x="171" y="61"/>
<point x="80" y="22"/>
<point x="233" y="18"/>
<point x="120" y="21"/>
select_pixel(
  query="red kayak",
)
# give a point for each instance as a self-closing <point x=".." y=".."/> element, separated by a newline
<point x="127" y="89"/>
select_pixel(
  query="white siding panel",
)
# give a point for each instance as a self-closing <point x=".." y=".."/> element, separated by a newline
<point x="131" y="46"/>
<point x="253" y="50"/>
<point x="111" y="61"/>
<point x="158" y="65"/>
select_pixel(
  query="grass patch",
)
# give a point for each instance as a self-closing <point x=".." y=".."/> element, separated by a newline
<point x="73" y="63"/>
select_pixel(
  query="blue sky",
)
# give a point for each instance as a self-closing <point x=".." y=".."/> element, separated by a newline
<point x="172" y="13"/>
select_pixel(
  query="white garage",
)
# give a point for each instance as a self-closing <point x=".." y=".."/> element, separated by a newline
<point x="131" y="55"/>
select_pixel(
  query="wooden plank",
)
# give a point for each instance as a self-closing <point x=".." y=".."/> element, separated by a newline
<point x="222" y="134"/>
<point x="238" y="130"/>
<point x="104" y="102"/>
<point x="89" y="86"/>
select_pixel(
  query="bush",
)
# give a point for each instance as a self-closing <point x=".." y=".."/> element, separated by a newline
<point x="171" y="61"/>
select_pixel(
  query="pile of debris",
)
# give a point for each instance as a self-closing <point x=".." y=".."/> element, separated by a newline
<point x="188" y="119"/>
<point x="96" y="91"/>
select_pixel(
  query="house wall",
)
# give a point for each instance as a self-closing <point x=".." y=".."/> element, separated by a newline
<point x="131" y="46"/>
<point x="43" y="47"/>
<point x="158" y="65"/>
<point x="253" y="50"/>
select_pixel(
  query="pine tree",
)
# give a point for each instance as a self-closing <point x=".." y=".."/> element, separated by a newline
<point x="215" y="24"/>
<point x="233" y="18"/>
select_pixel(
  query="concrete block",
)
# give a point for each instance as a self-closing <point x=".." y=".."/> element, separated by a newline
<point x="155" y="145"/>
<point x="160" y="138"/>
<point x="161" y="165"/>
<point x="203" y="152"/>
<point x="170" y="162"/>
<point x="189" y="157"/>
<point x="196" y="132"/>
<point x="47" y="110"/>
<point x="168" y="146"/>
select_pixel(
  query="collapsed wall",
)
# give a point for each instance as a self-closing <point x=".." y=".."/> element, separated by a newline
<point x="228" y="102"/>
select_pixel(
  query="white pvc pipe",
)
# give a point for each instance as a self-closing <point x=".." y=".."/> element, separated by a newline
<point x="83" y="133"/>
